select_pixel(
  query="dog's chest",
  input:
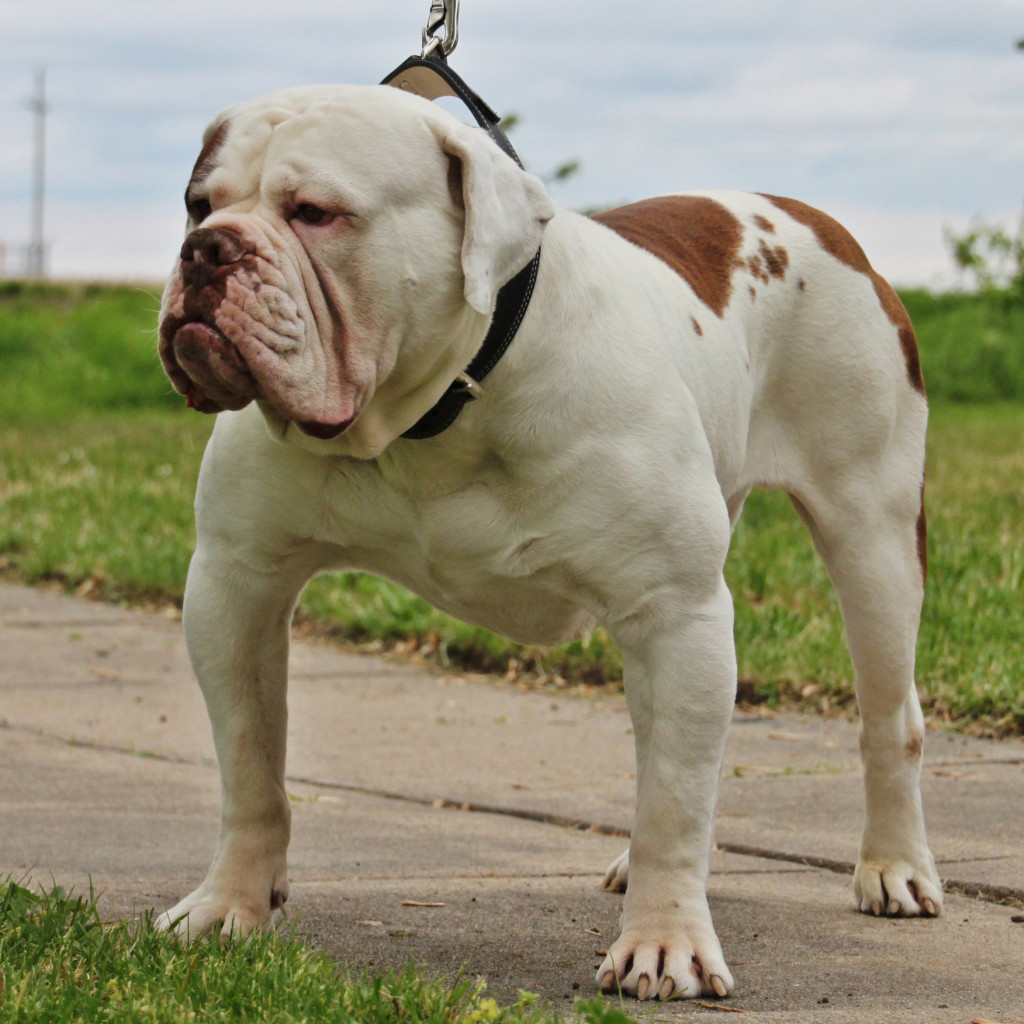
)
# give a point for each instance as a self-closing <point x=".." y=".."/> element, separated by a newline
<point x="476" y="544"/>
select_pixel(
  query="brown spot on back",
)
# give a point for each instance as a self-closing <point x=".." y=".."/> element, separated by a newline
<point x="764" y="224"/>
<point x="837" y="241"/>
<point x="698" y="330"/>
<point x="831" y="235"/>
<point x="207" y="156"/>
<point x="697" y="237"/>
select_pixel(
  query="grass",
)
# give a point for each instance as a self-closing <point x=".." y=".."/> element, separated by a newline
<point x="98" y="496"/>
<point x="60" y="962"/>
<point x="102" y="499"/>
<point x="972" y="345"/>
<point x="789" y="633"/>
<point x="59" y="343"/>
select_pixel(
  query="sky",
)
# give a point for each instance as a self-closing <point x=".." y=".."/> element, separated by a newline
<point x="903" y="118"/>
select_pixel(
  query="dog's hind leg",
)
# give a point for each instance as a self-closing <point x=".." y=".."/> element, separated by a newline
<point x="867" y="521"/>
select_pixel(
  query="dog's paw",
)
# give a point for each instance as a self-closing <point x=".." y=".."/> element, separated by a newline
<point x="616" y="877"/>
<point x="896" y="888"/>
<point x="236" y="913"/>
<point x="673" y="967"/>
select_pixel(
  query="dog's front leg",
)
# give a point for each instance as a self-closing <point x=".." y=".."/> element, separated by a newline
<point x="237" y="629"/>
<point x="680" y="677"/>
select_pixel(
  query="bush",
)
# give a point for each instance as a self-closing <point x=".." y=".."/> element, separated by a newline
<point x="972" y="345"/>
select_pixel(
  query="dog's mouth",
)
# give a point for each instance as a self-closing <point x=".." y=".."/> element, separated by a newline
<point x="232" y="332"/>
<point x="213" y="375"/>
<point x="206" y="368"/>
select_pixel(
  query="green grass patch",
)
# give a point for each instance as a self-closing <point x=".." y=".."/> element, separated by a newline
<point x="62" y="346"/>
<point x="789" y="633"/>
<point x="98" y="470"/>
<point x="101" y="500"/>
<point x="972" y="346"/>
<point x="60" y="962"/>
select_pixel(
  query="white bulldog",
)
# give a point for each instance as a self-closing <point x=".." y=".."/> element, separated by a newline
<point x="345" y="249"/>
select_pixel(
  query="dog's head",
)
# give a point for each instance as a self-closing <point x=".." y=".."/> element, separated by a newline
<point x="345" y="245"/>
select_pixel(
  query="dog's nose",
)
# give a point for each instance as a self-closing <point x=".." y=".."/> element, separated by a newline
<point x="216" y="247"/>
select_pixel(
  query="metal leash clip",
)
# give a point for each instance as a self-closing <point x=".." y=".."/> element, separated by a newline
<point x="429" y="76"/>
<point x="444" y="14"/>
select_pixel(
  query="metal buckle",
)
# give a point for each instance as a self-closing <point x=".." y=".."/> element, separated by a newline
<point x="470" y="387"/>
<point x="443" y="14"/>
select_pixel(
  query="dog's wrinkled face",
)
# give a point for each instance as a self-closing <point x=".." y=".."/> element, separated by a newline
<point x="343" y="243"/>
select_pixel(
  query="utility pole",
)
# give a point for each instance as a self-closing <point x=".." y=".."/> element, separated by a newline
<point x="37" y="245"/>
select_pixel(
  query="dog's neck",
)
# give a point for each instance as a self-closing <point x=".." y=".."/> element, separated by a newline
<point x="509" y="310"/>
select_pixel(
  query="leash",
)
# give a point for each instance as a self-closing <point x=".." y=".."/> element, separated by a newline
<point x="429" y="76"/>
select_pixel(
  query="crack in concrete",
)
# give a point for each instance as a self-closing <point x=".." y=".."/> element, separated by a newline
<point x="968" y="762"/>
<point x="984" y="891"/>
<point x="74" y="684"/>
<point x="65" y="623"/>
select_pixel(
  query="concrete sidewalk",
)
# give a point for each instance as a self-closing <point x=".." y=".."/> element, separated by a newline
<point x="107" y="772"/>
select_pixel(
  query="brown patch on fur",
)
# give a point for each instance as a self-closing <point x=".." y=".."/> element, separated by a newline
<point x="908" y="342"/>
<point x="922" y="539"/>
<point x="753" y="293"/>
<point x="802" y="284"/>
<point x="697" y="237"/>
<point x="835" y="239"/>
<point x="767" y="262"/>
<point x="207" y="157"/>
<point x="915" y="744"/>
<point x="764" y="224"/>
<point x="776" y="260"/>
<point x="698" y="330"/>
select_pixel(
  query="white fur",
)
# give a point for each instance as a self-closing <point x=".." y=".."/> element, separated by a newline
<point x="595" y="482"/>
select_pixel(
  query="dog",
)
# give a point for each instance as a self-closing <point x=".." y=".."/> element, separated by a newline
<point x="345" y="252"/>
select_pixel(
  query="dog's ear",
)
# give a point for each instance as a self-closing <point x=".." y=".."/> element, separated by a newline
<point x="505" y="208"/>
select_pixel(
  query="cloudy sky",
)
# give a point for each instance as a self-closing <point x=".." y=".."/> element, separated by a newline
<point x="899" y="116"/>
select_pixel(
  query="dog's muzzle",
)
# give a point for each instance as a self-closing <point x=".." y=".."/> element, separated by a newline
<point x="202" y="363"/>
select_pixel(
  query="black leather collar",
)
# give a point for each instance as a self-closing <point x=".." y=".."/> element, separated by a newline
<point x="431" y="77"/>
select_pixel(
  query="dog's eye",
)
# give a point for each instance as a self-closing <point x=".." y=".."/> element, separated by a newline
<point x="198" y="209"/>
<point x="309" y="213"/>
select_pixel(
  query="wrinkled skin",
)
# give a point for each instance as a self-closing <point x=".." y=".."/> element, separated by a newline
<point x="299" y="289"/>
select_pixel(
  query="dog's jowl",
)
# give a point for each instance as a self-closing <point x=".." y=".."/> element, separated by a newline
<point x="345" y="252"/>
